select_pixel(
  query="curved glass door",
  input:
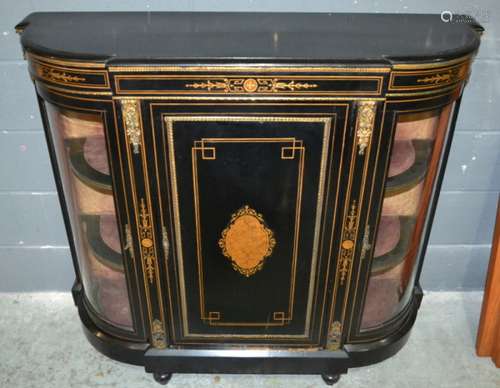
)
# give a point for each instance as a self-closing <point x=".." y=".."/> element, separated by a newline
<point x="414" y="160"/>
<point x="82" y="159"/>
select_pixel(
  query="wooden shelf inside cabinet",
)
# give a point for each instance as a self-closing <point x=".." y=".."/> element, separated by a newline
<point x="396" y="255"/>
<point x="90" y="165"/>
<point x="96" y="226"/>
<point x="414" y="174"/>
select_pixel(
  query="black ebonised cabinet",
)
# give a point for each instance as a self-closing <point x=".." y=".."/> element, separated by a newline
<point x="248" y="193"/>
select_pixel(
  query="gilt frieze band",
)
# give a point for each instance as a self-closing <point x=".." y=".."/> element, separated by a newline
<point x="426" y="79"/>
<point x="69" y="77"/>
<point x="313" y="85"/>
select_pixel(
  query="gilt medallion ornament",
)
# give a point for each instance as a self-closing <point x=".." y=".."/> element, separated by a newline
<point x="247" y="241"/>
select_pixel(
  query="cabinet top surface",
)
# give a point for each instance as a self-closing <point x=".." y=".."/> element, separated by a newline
<point x="174" y="37"/>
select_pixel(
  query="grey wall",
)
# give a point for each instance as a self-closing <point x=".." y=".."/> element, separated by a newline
<point x="34" y="251"/>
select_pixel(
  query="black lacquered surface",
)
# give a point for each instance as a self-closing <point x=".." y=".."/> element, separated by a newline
<point x="282" y="188"/>
<point x="272" y="165"/>
<point x="301" y="135"/>
<point x="246" y="37"/>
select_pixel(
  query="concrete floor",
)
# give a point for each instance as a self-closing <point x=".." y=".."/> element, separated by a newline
<point x="42" y="345"/>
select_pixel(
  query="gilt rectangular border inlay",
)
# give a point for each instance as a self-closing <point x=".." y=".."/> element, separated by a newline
<point x="215" y="316"/>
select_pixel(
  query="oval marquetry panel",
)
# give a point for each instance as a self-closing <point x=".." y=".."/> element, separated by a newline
<point x="247" y="241"/>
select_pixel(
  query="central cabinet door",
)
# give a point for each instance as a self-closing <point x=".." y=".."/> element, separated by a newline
<point x="243" y="200"/>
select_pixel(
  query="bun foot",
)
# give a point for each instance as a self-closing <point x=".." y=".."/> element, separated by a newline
<point x="162" y="378"/>
<point x="330" y="379"/>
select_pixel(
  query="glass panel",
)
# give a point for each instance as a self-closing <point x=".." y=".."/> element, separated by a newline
<point x="414" y="159"/>
<point x="83" y="163"/>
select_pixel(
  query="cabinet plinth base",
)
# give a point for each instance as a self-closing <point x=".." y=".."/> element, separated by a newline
<point x="246" y="361"/>
<point x="162" y="363"/>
